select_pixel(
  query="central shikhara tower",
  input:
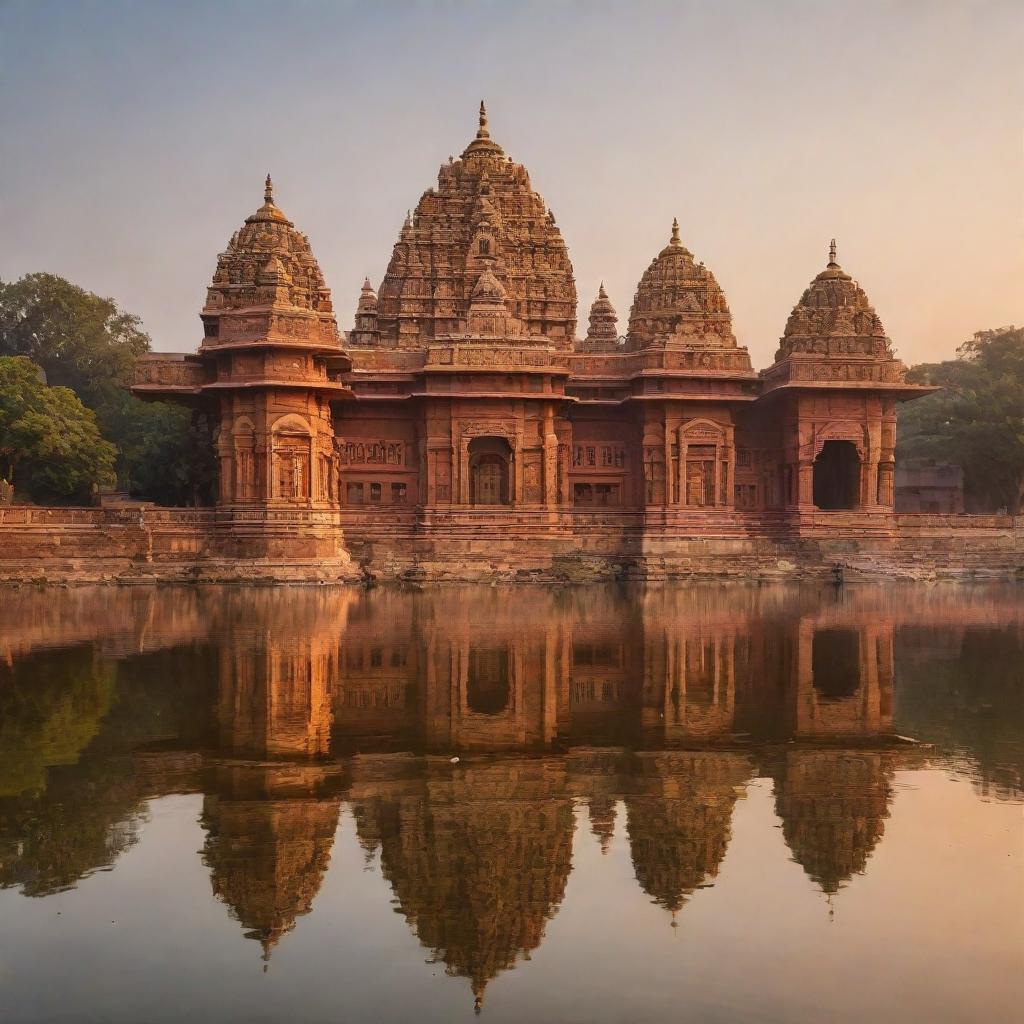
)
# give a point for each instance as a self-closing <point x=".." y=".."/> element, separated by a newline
<point x="464" y="405"/>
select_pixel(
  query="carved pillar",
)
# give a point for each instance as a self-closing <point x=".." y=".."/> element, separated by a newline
<point x="550" y="458"/>
<point x="805" y="483"/>
<point x="667" y="433"/>
<point x="886" y="471"/>
<point x="463" y="471"/>
<point x="684" y="449"/>
<point x="869" y="490"/>
<point x="516" y="476"/>
<point x="730" y="469"/>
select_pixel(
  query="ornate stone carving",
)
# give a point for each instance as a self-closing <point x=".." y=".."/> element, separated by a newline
<point x="483" y="216"/>
<point x="832" y="322"/>
<point x="603" y="334"/>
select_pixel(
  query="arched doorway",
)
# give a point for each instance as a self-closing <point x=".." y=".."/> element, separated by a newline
<point x="837" y="476"/>
<point x="489" y="459"/>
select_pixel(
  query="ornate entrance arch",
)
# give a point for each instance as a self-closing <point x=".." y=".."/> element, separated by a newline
<point x="489" y="460"/>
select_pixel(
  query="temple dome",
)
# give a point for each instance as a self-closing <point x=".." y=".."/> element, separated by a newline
<point x="482" y="221"/>
<point x="268" y="262"/>
<point x="678" y="303"/>
<point x="834" y="317"/>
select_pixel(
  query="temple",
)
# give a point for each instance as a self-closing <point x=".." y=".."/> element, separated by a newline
<point x="465" y="412"/>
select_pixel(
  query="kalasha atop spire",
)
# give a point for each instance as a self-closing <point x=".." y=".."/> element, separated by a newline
<point x="483" y="143"/>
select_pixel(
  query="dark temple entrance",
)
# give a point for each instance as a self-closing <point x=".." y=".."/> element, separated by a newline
<point x="837" y="476"/>
<point x="488" y="471"/>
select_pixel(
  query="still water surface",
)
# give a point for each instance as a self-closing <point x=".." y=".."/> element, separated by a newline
<point x="669" y="803"/>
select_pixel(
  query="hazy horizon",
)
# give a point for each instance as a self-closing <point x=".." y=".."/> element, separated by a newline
<point x="137" y="137"/>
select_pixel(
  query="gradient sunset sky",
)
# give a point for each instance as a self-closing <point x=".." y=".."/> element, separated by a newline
<point x="135" y="138"/>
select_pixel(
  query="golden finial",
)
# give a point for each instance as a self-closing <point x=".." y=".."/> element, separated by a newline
<point x="832" y="254"/>
<point x="268" y="190"/>
<point x="482" y="132"/>
<point x="675" y="232"/>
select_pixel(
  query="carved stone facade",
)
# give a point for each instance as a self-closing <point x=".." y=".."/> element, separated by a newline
<point x="266" y="373"/>
<point x="473" y="395"/>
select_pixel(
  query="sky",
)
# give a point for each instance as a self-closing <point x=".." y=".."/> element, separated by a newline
<point x="134" y="139"/>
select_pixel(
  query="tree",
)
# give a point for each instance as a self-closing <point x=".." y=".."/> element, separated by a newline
<point x="85" y="342"/>
<point x="50" y="445"/>
<point x="170" y="454"/>
<point x="82" y="341"/>
<point x="977" y="419"/>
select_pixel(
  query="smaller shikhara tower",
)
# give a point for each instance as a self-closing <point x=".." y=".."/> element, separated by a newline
<point x="265" y="375"/>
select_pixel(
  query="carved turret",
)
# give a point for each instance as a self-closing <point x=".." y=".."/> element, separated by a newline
<point x="679" y="305"/>
<point x="366" y="330"/>
<point x="834" y="306"/>
<point x="835" y="328"/>
<point x="602" y="335"/>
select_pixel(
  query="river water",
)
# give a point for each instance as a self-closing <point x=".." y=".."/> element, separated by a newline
<point x="600" y="804"/>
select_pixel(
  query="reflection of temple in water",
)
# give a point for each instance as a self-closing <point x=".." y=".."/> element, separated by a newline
<point x="679" y="820"/>
<point x="478" y="858"/>
<point x="833" y="805"/>
<point x="269" y="834"/>
<point x="662" y="702"/>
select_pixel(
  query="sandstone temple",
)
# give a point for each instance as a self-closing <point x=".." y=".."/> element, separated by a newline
<point x="469" y="416"/>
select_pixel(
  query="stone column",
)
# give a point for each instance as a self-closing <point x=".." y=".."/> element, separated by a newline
<point x="885" y="484"/>
<point x="805" y="484"/>
<point x="550" y="458"/>
<point x="869" y="489"/>
<point x="462" y="483"/>
<point x="683" y="474"/>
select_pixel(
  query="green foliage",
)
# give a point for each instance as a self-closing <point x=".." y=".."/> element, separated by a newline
<point x="82" y="341"/>
<point x="170" y="456"/>
<point x="85" y="342"/>
<point x="48" y="439"/>
<point x="977" y="420"/>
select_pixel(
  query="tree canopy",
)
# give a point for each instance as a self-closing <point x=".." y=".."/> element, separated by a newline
<point x="49" y="442"/>
<point x="977" y="419"/>
<point x="88" y="344"/>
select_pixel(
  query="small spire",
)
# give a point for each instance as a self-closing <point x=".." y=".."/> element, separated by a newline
<point x="601" y="293"/>
<point x="832" y="254"/>
<point x="482" y="132"/>
<point x="367" y="287"/>
<point x="268" y="190"/>
<point x="408" y="219"/>
<point x="675" y="232"/>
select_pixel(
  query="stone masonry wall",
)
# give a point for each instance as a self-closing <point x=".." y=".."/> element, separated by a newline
<point x="84" y="545"/>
